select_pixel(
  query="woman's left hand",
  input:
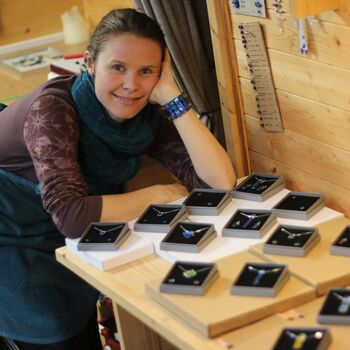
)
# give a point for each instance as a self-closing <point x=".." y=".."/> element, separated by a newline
<point x="166" y="89"/>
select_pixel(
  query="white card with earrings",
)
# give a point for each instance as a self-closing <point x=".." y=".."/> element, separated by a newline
<point x="254" y="8"/>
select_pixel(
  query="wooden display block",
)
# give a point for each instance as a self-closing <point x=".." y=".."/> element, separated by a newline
<point x="264" y="333"/>
<point x="319" y="268"/>
<point x="134" y="248"/>
<point x="217" y="311"/>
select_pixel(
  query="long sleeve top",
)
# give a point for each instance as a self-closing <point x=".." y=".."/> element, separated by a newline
<point x="39" y="140"/>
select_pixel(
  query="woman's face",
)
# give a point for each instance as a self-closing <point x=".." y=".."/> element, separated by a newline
<point x="126" y="70"/>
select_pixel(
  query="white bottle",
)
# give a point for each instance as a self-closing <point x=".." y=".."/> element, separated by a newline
<point x="75" y="28"/>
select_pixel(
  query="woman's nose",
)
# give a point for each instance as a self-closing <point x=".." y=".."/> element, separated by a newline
<point x="130" y="81"/>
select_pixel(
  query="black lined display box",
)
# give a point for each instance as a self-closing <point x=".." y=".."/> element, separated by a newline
<point x="218" y="311"/>
<point x="189" y="237"/>
<point x="336" y="307"/>
<point x="292" y="240"/>
<point x="299" y="205"/>
<point x="341" y="246"/>
<point x="160" y="218"/>
<point x="249" y="223"/>
<point x="106" y="236"/>
<point x="259" y="187"/>
<point x="206" y="201"/>
<point x="303" y="339"/>
<point x="192" y="278"/>
<point x="260" y="279"/>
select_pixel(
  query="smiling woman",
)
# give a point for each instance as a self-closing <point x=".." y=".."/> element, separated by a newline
<point x="66" y="151"/>
<point x="125" y="73"/>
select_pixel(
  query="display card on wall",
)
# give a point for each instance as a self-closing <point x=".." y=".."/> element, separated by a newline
<point x="249" y="7"/>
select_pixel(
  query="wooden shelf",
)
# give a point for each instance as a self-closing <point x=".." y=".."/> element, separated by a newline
<point x="305" y="8"/>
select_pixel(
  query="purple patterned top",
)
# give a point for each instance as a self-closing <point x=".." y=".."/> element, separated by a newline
<point x="39" y="140"/>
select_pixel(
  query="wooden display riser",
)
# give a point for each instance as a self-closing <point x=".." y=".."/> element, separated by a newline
<point x="319" y="268"/>
<point x="218" y="311"/>
<point x="263" y="334"/>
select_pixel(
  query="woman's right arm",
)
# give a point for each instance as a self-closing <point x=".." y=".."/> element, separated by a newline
<point x="126" y="206"/>
<point x="51" y="134"/>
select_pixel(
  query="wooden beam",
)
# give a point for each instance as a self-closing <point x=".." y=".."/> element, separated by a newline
<point x="228" y="82"/>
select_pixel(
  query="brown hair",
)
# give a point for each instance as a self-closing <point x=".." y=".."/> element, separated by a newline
<point x="121" y="21"/>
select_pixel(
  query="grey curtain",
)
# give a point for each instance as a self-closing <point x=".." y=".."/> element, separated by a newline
<point x="185" y="24"/>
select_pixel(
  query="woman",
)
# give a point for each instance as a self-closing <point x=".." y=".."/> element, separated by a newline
<point x="67" y="149"/>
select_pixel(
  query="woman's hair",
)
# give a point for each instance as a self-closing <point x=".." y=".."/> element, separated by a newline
<point x="123" y="21"/>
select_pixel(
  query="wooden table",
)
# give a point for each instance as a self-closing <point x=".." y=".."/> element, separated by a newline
<point x="144" y="324"/>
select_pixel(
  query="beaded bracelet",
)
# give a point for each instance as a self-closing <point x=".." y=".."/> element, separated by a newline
<point x="177" y="107"/>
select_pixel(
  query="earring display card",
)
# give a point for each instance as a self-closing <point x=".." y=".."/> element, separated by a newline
<point x="189" y="278"/>
<point x="292" y="240"/>
<point x="189" y="237"/>
<point x="336" y="308"/>
<point x="247" y="223"/>
<point x="303" y="339"/>
<point x="107" y="236"/>
<point x="160" y="218"/>
<point x="341" y="246"/>
<point x="206" y="201"/>
<point x="259" y="187"/>
<point x="299" y="205"/>
<point x="260" y="279"/>
<point x="249" y="7"/>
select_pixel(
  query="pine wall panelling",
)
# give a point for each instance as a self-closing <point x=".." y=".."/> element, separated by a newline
<point x="95" y="9"/>
<point x="229" y="91"/>
<point x="22" y="20"/>
<point x="313" y="153"/>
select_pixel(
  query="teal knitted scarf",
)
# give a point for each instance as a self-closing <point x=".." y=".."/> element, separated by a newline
<point x="110" y="153"/>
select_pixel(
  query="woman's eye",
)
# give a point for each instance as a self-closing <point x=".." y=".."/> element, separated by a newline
<point x="119" y="68"/>
<point x="146" y="71"/>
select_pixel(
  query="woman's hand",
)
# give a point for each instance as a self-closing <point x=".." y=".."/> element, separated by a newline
<point x="166" y="89"/>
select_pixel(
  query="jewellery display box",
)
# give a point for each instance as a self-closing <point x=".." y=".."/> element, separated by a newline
<point x="299" y="205"/>
<point x="260" y="279"/>
<point x="341" y="246"/>
<point x="303" y="339"/>
<point x="189" y="237"/>
<point x="189" y="278"/>
<point x="107" y="236"/>
<point x="206" y="201"/>
<point x="259" y="187"/>
<point x="336" y="308"/>
<point x="160" y="218"/>
<point x="292" y="240"/>
<point x="248" y="223"/>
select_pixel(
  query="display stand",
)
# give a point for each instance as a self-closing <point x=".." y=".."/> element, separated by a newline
<point x="160" y="218"/>
<point x="319" y="269"/>
<point x="218" y="311"/>
<point x="249" y="223"/>
<point x="107" y="236"/>
<point x="336" y="308"/>
<point x="206" y="201"/>
<point x="189" y="278"/>
<point x="299" y="205"/>
<point x="259" y="187"/>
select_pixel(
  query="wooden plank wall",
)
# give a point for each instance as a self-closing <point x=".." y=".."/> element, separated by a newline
<point x="22" y="20"/>
<point x="313" y="153"/>
<point x="95" y="9"/>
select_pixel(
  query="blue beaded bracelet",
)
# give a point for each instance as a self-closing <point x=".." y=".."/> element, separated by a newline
<point x="176" y="107"/>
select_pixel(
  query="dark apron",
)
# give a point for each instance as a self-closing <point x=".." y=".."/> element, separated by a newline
<point x="40" y="300"/>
